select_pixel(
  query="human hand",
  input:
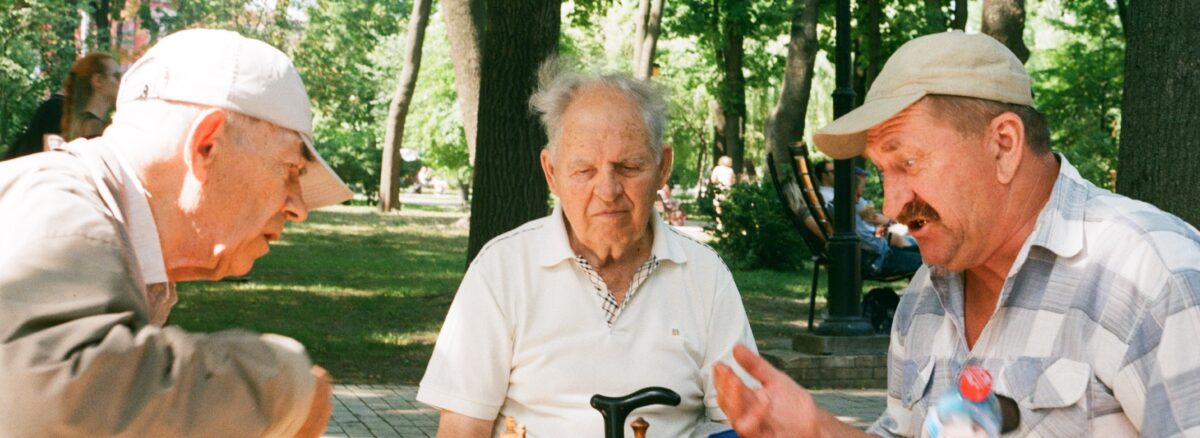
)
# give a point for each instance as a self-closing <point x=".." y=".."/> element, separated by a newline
<point x="781" y="408"/>
<point x="322" y="406"/>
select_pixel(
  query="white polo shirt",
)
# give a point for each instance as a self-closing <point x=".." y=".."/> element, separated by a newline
<point x="526" y="336"/>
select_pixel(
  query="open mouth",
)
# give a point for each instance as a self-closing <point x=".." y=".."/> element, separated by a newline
<point x="916" y="225"/>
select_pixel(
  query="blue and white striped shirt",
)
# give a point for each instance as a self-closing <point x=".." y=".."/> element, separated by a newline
<point x="1095" y="332"/>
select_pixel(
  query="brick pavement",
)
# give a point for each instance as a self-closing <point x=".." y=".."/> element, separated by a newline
<point x="391" y="411"/>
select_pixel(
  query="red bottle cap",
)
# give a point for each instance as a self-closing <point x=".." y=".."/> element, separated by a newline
<point x="975" y="383"/>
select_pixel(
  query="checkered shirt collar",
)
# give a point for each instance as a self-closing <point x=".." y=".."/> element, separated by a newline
<point x="610" y="306"/>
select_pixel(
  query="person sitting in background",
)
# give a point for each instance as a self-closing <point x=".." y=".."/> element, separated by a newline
<point x="91" y="78"/>
<point x="601" y="297"/>
<point x="722" y="175"/>
<point x="90" y="91"/>
<point x="880" y="257"/>
<point x="880" y="225"/>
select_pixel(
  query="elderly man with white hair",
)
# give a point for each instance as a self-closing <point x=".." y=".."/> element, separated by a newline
<point x="209" y="154"/>
<point x="601" y="297"/>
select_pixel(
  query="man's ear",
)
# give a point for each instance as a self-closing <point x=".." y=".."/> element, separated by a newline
<point x="548" y="168"/>
<point x="667" y="161"/>
<point x="199" y="147"/>
<point x="1006" y="141"/>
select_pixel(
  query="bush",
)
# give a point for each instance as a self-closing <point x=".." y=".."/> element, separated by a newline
<point x="756" y="231"/>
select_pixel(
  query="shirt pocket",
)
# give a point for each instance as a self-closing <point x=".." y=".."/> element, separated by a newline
<point x="917" y="375"/>
<point x="1049" y="394"/>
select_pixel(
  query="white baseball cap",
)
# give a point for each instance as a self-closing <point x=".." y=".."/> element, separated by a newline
<point x="224" y="69"/>
<point x="951" y="63"/>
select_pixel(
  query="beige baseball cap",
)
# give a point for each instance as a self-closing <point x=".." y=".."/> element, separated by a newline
<point x="224" y="69"/>
<point x="952" y="63"/>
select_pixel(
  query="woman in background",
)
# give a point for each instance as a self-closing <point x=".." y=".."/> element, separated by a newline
<point x="92" y="86"/>
<point x="90" y="92"/>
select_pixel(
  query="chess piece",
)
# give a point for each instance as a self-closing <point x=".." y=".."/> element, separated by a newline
<point x="639" y="427"/>
<point x="510" y="428"/>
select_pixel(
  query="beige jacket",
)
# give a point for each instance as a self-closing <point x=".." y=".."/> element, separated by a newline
<point x="78" y="355"/>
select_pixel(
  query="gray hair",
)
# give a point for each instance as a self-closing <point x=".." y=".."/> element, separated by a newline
<point x="557" y="85"/>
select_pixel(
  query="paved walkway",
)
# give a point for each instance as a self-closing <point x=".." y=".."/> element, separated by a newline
<point x="378" y="411"/>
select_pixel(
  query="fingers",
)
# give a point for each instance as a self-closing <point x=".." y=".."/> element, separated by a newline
<point x="729" y="390"/>
<point x="745" y="408"/>
<point x="756" y="365"/>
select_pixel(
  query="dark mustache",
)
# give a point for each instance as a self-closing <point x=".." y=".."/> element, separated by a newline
<point x="917" y="209"/>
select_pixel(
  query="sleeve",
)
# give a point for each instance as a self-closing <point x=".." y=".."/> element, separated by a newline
<point x="727" y="326"/>
<point x="78" y="357"/>
<point x="1158" y="383"/>
<point x="469" y="370"/>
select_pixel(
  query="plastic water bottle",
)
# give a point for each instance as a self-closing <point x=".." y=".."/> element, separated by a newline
<point x="969" y="410"/>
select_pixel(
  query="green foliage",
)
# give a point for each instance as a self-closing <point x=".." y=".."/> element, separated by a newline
<point x="37" y="49"/>
<point x="434" y="123"/>
<point x="1078" y="86"/>
<point x="334" y="56"/>
<point x="755" y="230"/>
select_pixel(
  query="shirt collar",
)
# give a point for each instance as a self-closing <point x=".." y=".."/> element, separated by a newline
<point x="558" y="246"/>
<point x="139" y="222"/>
<point x="1059" y="226"/>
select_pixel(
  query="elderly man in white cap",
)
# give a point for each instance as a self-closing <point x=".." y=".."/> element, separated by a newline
<point x="1082" y="304"/>
<point x="209" y="154"/>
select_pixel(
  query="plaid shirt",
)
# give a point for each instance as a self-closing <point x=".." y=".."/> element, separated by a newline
<point x="610" y="306"/>
<point x="1094" y="332"/>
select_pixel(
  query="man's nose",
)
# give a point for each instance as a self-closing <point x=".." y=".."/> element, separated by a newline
<point x="294" y="209"/>
<point x="896" y="194"/>
<point x="608" y="185"/>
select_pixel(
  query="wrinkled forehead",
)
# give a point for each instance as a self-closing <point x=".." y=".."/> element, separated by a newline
<point x="888" y="136"/>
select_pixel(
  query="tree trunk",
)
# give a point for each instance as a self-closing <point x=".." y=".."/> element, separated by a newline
<point x="960" y="15"/>
<point x="718" y="130"/>
<point x="733" y="87"/>
<point x="935" y="19"/>
<point x="509" y="187"/>
<point x="639" y="34"/>
<point x="389" y="177"/>
<point x="464" y="29"/>
<point x="1004" y="20"/>
<point x="786" y="122"/>
<point x="648" y="40"/>
<point x="1159" y="158"/>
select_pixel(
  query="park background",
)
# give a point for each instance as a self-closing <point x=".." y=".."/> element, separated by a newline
<point x="365" y="285"/>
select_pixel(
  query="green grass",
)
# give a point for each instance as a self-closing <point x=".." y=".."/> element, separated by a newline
<point x="367" y="292"/>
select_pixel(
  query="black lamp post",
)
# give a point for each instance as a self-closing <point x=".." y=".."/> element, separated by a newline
<point x="845" y="281"/>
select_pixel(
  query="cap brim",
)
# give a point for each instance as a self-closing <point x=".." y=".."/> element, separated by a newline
<point x="320" y="185"/>
<point x="846" y="137"/>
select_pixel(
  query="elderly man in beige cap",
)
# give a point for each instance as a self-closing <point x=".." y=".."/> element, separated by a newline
<point x="1082" y="304"/>
<point x="209" y="154"/>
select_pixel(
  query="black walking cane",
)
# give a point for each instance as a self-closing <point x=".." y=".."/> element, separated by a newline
<point x="616" y="409"/>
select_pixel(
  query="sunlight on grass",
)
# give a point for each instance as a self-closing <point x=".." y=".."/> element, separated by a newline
<point x="426" y="338"/>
